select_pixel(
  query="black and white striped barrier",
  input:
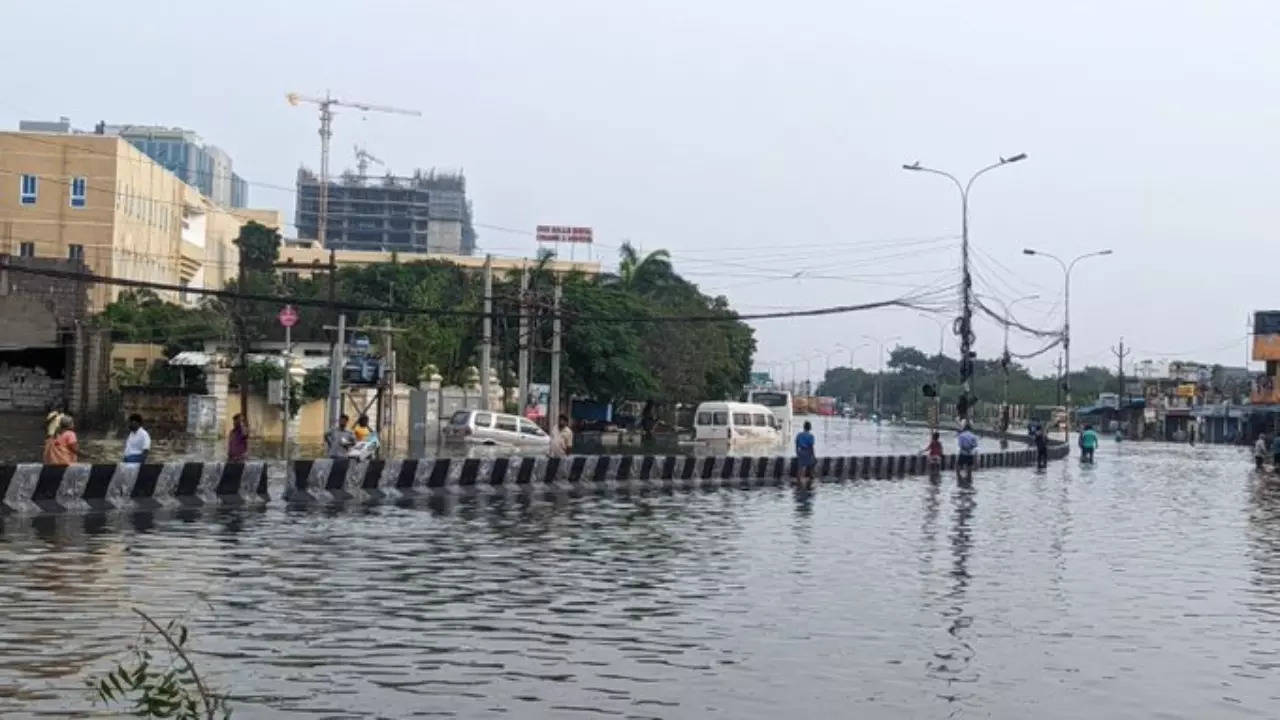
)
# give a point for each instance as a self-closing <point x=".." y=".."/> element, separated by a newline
<point x="40" y="488"/>
<point x="57" y="488"/>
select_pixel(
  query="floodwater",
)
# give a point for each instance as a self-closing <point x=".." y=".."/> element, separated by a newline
<point x="1145" y="586"/>
<point x="835" y="436"/>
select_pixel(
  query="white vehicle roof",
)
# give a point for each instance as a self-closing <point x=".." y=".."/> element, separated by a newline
<point x="733" y="407"/>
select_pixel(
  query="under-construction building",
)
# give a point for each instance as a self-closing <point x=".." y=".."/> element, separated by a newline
<point x="425" y="212"/>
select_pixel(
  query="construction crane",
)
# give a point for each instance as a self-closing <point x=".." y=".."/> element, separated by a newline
<point x="363" y="158"/>
<point x="326" y="105"/>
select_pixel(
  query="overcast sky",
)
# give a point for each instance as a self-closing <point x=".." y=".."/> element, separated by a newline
<point x="763" y="134"/>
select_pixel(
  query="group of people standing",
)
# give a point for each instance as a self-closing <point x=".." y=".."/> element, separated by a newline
<point x="62" y="446"/>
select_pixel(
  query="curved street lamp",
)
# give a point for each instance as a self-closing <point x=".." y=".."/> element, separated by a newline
<point x="966" y="297"/>
<point x="1066" y="322"/>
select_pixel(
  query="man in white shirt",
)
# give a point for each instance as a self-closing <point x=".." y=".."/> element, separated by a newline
<point x="138" y="445"/>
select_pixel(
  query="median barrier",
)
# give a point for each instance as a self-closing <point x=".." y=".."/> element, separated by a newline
<point x="34" y="488"/>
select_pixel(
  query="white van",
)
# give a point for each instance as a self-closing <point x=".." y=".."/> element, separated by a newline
<point x="481" y="427"/>
<point x="736" y="424"/>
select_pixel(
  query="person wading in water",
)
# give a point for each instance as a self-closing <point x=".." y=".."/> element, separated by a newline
<point x="806" y="459"/>
<point x="968" y="444"/>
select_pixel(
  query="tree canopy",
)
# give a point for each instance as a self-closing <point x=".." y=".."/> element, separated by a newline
<point x="619" y="340"/>
<point x="908" y="369"/>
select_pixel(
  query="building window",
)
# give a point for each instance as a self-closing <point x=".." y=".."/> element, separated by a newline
<point x="29" y="189"/>
<point x="78" y="187"/>
<point x="75" y="252"/>
<point x="27" y="249"/>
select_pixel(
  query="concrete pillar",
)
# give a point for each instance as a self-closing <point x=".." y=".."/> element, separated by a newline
<point x="218" y="382"/>
<point x="432" y="386"/>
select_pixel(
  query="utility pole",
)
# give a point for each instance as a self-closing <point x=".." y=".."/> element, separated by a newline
<point x="387" y="423"/>
<point x="1121" y="354"/>
<point x="553" y="404"/>
<point x="486" y="347"/>
<point x="1006" y="360"/>
<point x="243" y="328"/>
<point x="288" y="385"/>
<point x="1058" y="385"/>
<point x="523" y="360"/>
<point x="335" y="371"/>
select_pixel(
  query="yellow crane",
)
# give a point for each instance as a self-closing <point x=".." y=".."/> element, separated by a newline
<point x="326" y="105"/>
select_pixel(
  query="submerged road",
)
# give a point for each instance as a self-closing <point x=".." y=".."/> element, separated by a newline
<point x="1145" y="586"/>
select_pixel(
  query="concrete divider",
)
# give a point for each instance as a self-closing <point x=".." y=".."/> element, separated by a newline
<point x="50" y="488"/>
<point x="56" y="488"/>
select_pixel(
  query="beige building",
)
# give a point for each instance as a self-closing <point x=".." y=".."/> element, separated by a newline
<point x="98" y="199"/>
<point x="304" y="252"/>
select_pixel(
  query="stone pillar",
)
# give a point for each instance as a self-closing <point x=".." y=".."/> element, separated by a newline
<point x="495" y="401"/>
<point x="431" y="385"/>
<point x="218" y="382"/>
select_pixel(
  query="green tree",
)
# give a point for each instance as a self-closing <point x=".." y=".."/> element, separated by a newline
<point x="259" y="247"/>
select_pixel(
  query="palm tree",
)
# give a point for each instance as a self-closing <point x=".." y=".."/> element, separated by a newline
<point x="643" y="275"/>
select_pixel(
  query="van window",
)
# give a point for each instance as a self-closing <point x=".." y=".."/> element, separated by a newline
<point x="720" y="418"/>
<point x="506" y="422"/>
<point x="459" y="418"/>
<point x="528" y="428"/>
<point x="742" y="419"/>
<point x="704" y="418"/>
<point x="484" y="419"/>
<point x="759" y="421"/>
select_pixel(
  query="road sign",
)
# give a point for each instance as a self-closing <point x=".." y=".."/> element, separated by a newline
<point x="288" y="316"/>
<point x="563" y="234"/>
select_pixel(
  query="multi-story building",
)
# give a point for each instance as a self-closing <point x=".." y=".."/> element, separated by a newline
<point x="99" y="200"/>
<point x="204" y="167"/>
<point x="426" y="212"/>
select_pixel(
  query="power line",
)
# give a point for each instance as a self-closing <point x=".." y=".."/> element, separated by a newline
<point x="904" y="301"/>
<point x="999" y="318"/>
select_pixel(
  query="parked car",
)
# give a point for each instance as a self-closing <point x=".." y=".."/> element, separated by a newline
<point x="481" y="427"/>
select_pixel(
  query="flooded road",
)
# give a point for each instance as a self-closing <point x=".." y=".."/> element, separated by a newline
<point x="1147" y="586"/>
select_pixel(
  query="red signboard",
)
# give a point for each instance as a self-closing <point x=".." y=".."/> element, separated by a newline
<point x="288" y="316"/>
<point x="563" y="234"/>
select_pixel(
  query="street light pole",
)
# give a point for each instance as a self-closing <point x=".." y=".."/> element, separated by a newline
<point x="880" y="367"/>
<point x="966" y="283"/>
<point x="1066" y="324"/>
